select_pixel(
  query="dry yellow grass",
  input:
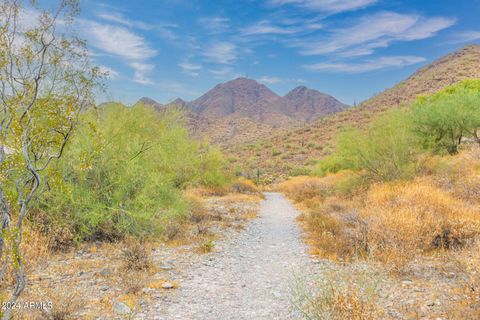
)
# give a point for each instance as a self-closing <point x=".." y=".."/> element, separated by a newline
<point x="393" y="222"/>
<point x="431" y="223"/>
<point x="406" y="219"/>
<point x="339" y="295"/>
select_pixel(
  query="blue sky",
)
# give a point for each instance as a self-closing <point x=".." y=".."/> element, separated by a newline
<point x="351" y="49"/>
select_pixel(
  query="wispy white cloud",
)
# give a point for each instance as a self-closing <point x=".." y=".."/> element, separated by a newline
<point x="123" y="43"/>
<point x="141" y="72"/>
<point x="221" y="73"/>
<point x="328" y="6"/>
<point x="269" y="80"/>
<point x="465" y="36"/>
<point x="190" y="68"/>
<point x="368" y="65"/>
<point x="221" y="52"/>
<point x="120" y="19"/>
<point x="118" y="41"/>
<point x="267" y="27"/>
<point x="376" y="31"/>
<point x="214" y="25"/>
<point x="164" y="29"/>
<point x="178" y="89"/>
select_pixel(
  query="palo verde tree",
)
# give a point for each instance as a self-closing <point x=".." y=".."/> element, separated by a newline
<point x="446" y="118"/>
<point x="46" y="81"/>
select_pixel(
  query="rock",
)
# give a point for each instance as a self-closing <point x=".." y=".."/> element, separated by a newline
<point x="104" y="288"/>
<point x="143" y="303"/>
<point x="121" y="308"/>
<point x="106" y="272"/>
<point x="167" y="285"/>
<point x="166" y="267"/>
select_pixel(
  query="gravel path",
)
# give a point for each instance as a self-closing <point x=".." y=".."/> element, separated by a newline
<point x="249" y="276"/>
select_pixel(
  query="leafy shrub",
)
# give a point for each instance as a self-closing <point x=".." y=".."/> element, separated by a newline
<point x="299" y="171"/>
<point x="386" y="151"/>
<point x="124" y="172"/>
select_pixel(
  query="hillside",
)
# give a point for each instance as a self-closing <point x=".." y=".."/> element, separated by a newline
<point x="291" y="151"/>
<point x="243" y="110"/>
<point x="306" y="104"/>
<point x="448" y="70"/>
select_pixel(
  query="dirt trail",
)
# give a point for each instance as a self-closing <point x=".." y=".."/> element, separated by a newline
<point x="249" y="276"/>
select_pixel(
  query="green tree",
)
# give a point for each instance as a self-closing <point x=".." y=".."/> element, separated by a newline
<point x="46" y="80"/>
<point x="444" y="119"/>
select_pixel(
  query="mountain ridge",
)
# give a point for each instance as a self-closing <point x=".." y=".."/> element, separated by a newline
<point x="246" y="98"/>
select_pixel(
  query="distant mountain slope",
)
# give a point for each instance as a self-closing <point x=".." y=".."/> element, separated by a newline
<point x="302" y="146"/>
<point x="459" y="65"/>
<point x="150" y="102"/>
<point x="243" y="110"/>
<point x="247" y="98"/>
<point x="306" y="104"/>
<point x="241" y="96"/>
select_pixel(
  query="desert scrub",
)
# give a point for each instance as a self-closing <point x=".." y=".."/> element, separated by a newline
<point x="334" y="230"/>
<point x="338" y="296"/>
<point x="207" y="245"/>
<point x="242" y="185"/>
<point x="124" y="174"/>
<point x="405" y="219"/>
<point x="346" y="216"/>
<point x="136" y="255"/>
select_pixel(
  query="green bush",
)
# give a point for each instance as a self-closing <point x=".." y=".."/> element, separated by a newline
<point x="389" y="149"/>
<point x="444" y="119"/>
<point x="124" y="171"/>
<point x="386" y="151"/>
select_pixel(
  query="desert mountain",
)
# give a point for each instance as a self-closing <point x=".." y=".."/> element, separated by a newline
<point x="177" y="103"/>
<point x="306" y="104"/>
<point x="244" y="98"/>
<point x="150" y="102"/>
<point x="247" y="98"/>
<point x="299" y="146"/>
<point x="241" y="96"/>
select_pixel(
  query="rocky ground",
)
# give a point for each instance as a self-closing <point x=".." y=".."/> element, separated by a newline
<point x="249" y="276"/>
<point x="92" y="283"/>
<point x="243" y="268"/>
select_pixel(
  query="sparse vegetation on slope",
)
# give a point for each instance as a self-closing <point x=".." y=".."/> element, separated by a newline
<point x="302" y="147"/>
